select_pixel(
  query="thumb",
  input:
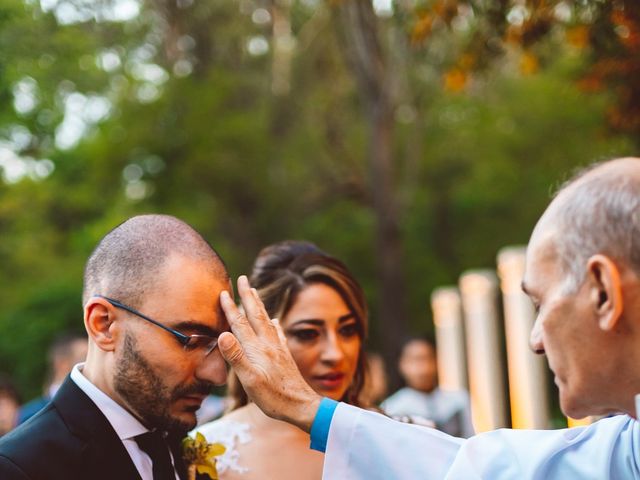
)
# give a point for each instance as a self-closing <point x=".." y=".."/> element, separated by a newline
<point x="232" y="352"/>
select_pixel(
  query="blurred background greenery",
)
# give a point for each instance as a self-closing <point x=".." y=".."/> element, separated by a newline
<point x="410" y="138"/>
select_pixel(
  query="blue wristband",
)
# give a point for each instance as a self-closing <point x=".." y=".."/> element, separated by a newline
<point x="322" y="423"/>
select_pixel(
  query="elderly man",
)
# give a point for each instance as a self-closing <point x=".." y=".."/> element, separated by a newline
<point x="153" y="318"/>
<point x="582" y="273"/>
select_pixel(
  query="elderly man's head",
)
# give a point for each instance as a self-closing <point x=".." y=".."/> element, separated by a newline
<point x="582" y="273"/>
<point x="151" y="284"/>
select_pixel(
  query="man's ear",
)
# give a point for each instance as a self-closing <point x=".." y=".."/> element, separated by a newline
<point x="99" y="321"/>
<point x="605" y="290"/>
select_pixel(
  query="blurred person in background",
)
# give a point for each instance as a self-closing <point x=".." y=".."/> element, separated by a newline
<point x="67" y="350"/>
<point x="322" y="311"/>
<point x="376" y="383"/>
<point x="9" y="405"/>
<point x="421" y="397"/>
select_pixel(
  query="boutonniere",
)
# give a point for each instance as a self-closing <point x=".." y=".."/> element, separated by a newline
<point x="200" y="455"/>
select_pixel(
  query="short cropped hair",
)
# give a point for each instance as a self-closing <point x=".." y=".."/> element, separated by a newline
<point x="600" y="214"/>
<point x="125" y="262"/>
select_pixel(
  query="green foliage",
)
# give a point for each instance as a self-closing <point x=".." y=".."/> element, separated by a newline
<point x="217" y="148"/>
<point x="492" y="162"/>
<point x="28" y="329"/>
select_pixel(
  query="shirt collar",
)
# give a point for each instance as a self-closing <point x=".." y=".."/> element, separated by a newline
<point x="125" y="425"/>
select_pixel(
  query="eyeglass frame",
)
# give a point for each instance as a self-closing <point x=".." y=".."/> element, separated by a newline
<point x="182" y="338"/>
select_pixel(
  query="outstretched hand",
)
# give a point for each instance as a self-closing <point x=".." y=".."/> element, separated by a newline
<point x="258" y="353"/>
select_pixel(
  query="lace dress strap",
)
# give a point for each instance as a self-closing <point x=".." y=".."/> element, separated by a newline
<point x="230" y="434"/>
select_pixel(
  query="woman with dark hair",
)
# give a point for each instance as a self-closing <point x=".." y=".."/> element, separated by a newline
<point x="323" y="314"/>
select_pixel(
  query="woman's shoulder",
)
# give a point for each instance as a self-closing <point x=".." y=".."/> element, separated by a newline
<point x="400" y="398"/>
<point x="225" y="429"/>
<point x="459" y="398"/>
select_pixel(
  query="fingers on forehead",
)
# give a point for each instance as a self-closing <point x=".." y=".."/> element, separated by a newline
<point x="254" y="308"/>
<point x="238" y="322"/>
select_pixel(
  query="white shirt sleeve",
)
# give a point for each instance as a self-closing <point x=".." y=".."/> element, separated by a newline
<point x="366" y="445"/>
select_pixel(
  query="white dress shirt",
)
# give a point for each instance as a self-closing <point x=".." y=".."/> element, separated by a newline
<point x="126" y="426"/>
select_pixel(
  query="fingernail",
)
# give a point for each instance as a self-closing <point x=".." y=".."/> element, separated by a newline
<point x="225" y="341"/>
<point x="242" y="279"/>
<point x="224" y="296"/>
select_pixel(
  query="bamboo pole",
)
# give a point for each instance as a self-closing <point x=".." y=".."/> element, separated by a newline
<point x="528" y="386"/>
<point x="447" y="317"/>
<point x="479" y="290"/>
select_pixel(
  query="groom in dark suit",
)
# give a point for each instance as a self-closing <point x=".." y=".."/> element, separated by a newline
<point x="152" y="314"/>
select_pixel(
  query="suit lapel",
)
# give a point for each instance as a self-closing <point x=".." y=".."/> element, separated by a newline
<point x="105" y="456"/>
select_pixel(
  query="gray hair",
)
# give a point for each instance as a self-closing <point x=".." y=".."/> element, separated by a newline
<point x="598" y="214"/>
<point x="125" y="262"/>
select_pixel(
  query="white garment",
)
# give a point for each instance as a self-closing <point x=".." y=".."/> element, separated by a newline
<point x="366" y="445"/>
<point x="230" y="434"/>
<point x="449" y="410"/>
<point x="126" y="426"/>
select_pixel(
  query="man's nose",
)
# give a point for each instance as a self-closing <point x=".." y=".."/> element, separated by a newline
<point x="535" y="338"/>
<point x="212" y="368"/>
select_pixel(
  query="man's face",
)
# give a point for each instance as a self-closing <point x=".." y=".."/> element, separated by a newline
<point x="157" y="379"/>
<point x="566" y="329"/>
<point x="418" y="365"/>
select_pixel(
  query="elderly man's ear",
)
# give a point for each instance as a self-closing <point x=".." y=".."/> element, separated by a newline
<point x="605" y="291"/>
<point x="100" y="324"/>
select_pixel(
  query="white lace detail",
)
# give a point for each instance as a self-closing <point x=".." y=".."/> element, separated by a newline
<point x="230" y="434"/>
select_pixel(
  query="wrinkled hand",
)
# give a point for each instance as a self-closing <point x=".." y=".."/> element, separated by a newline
<point x="258" y="353"/>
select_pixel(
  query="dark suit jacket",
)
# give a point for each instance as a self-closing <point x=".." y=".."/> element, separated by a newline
<point x="69" y="439"/>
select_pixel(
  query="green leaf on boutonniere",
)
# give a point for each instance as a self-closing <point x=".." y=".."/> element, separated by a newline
<point x="200" y="456"/>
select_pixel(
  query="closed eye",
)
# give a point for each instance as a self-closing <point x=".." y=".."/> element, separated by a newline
<point x="197" y="342"/>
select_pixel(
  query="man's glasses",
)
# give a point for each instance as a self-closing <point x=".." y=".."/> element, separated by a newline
<point x="204" y="343"/>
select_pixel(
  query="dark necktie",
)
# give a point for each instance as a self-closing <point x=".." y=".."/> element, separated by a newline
<point x="154" y="445"/>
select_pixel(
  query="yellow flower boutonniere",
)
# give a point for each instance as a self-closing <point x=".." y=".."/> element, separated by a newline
<point x="200" y="456"/>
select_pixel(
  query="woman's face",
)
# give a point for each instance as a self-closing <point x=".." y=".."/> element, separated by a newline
<point x="323" y="336"/>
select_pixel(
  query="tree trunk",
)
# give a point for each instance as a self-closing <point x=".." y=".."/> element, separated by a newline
<point x="364" y="54"/>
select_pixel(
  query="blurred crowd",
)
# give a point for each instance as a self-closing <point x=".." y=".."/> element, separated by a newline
<point x="65" y="351"/>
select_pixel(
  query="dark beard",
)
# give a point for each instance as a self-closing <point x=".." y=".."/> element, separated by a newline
<point x="147" y="396"/>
